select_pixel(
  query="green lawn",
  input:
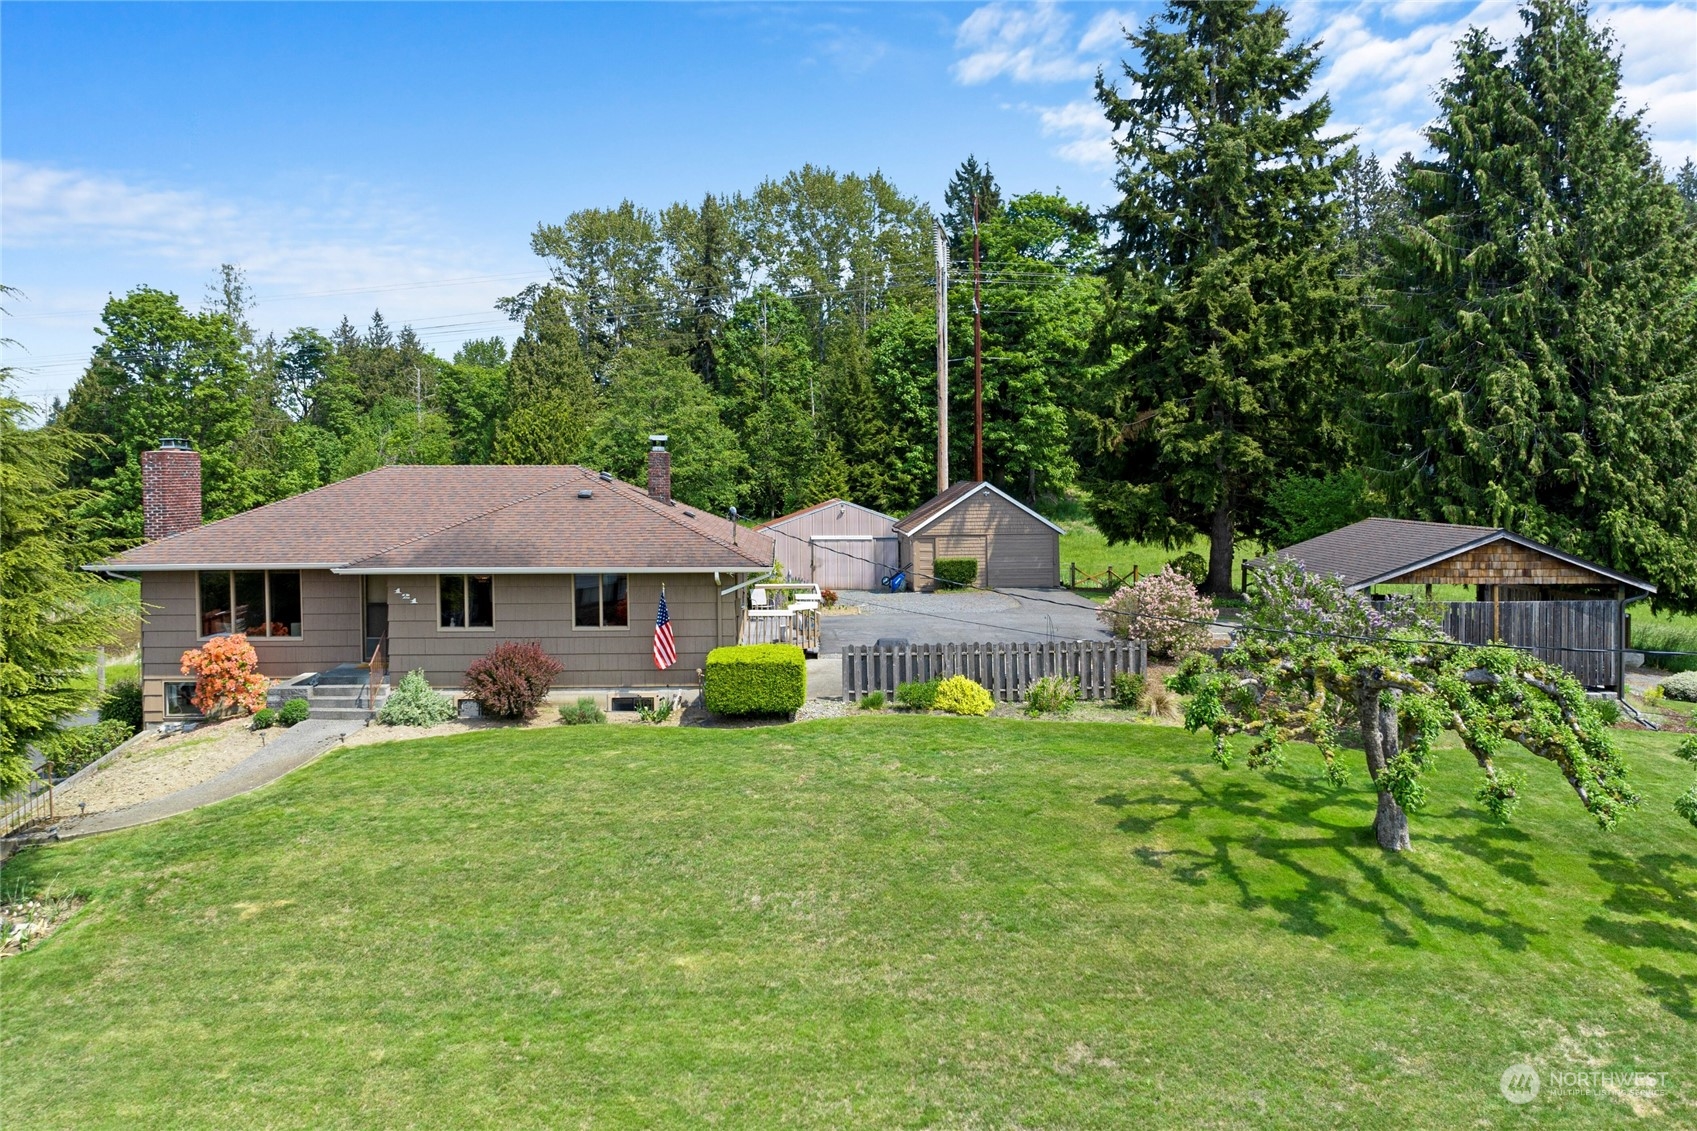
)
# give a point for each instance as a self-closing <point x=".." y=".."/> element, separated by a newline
<point x="874" y="922"/>
<point x="1088" y="547"/>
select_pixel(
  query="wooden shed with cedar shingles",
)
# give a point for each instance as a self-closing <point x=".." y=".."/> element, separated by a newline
<point x="1015" y="547"/>
<point x="1561" y="608"/>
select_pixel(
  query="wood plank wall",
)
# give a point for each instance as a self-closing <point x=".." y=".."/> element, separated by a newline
<point x="1581" y="636"/>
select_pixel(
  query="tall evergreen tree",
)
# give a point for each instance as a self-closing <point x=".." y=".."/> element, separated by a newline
<point x="1540" y="329"/>
<point x="1228" y="317"/>
<point x="1685" y="180"/>
<point x="50" y="621"/>
<point x="1371" y="209"/>
<point x="551" y="395"/>
<point x="970" y="179"/>
<point x="704" y="263"/>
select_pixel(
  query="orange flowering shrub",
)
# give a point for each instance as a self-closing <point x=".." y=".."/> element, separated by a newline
<point x="226" y="676"/>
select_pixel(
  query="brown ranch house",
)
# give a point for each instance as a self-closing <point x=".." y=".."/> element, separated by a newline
<point x="431" y="567"/>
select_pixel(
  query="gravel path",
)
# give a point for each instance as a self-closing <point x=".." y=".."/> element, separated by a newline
<point x="157" y="766"/>
<point x="289" y="750"/>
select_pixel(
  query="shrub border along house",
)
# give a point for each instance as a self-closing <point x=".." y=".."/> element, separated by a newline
<point x="752" y="680"/>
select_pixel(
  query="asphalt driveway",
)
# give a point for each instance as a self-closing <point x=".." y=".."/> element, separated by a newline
<point x="1004" y="615"/>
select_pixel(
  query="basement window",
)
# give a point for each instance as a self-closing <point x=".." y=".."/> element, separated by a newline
<point x="601" y="600"/>
<point x="466" y="600"/>
<point x="258" y="602"/>
<point x="179" y="702"/>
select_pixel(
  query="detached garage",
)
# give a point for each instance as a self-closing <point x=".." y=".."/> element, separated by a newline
<point x="1015" y="547"/>
<point x="835" y="545"/>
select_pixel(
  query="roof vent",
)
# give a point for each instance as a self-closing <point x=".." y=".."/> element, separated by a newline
<point x="689" y="512"/>
<point x="606" y="477"/>
<point x="586" y="493"/>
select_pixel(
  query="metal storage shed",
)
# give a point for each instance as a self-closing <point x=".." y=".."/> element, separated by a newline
<point x="835" y="545"/>
<point x="1015" y="547"/>
<point x="1561" y="608"/>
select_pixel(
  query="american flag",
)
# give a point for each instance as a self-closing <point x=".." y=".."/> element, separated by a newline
<point x="665" y="648"/>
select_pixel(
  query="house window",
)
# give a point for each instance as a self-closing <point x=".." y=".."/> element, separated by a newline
<point x="178" y="704"/>
<point x="259" y="602"/>
<point x="466" y="600"/>
<point x="602" y="600"/>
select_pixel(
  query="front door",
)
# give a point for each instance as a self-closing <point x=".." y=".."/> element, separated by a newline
<point x="376" y="624"/>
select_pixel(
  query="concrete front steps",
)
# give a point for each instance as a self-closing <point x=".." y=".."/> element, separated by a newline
<point x="342" y="693"/>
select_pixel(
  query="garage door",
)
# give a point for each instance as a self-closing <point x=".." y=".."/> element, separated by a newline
<point x="1025" y="561"/>
<point x="852" y="561"/>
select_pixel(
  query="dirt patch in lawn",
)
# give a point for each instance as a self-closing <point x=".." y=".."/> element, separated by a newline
<point x="157" y="766"/>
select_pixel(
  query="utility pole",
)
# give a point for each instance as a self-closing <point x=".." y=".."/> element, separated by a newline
<point x="418" y="408"/>
<point x="977" y="357"/>
<point x="942" y="242"/>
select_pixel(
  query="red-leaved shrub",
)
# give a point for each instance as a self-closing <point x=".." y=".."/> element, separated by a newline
<point x="226" y="674"/>
<point x="512" y="680"/>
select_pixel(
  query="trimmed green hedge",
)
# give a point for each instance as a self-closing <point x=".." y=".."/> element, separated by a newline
<point x="755" y="679"/>
<point x="956" y="573"/>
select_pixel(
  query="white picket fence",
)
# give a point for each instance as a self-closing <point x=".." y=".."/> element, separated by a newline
<point x="1005" y="670"/>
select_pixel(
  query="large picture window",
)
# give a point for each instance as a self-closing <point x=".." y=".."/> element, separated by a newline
<point x="603" y="600"/>
<point x="259" y="602"/>
<point x="466" y="600"/>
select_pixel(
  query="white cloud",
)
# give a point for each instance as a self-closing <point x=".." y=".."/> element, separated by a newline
<point x="1087" y="139"/>
<point x="1382" y="63"/>
<point x="1027" y="43"/>
<point x="330" y="236"/>
<point x="311" y="252"/>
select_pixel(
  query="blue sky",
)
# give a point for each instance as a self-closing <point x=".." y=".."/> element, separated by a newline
<point x="397" y="156"/>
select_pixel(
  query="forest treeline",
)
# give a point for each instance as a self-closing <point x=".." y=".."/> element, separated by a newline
<point x="1268" y="334"/>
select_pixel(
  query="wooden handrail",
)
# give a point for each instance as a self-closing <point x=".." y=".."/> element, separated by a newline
<point x="379" y="666"/>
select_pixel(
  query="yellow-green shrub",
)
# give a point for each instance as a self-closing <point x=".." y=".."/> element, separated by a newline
<point x="755" y="679"/>
<point x="961" y="696"/>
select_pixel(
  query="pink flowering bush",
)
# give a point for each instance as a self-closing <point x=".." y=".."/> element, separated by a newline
<point x="1163" y="609"/>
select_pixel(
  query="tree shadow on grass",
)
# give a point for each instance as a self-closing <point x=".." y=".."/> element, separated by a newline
<point x="1399" y="890"/>
<point x="1651" y="907"/>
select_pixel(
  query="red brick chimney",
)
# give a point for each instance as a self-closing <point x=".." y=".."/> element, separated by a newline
<point x="659" y="470"/>
<point x="170" y="489"/>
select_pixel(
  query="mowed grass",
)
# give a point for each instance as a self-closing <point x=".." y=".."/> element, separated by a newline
<point x="1088" y="547"/>
<point x="871" y="922"/>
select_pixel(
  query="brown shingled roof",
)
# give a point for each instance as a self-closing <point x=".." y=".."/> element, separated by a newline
<point x="518" y="519"/>
<point x="1379" y="550"/>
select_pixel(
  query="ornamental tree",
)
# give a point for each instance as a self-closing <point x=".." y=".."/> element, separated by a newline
<point x="1403" y="688"/>
<point x="1162" y="609"/>
<point x="227" y="679"/>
